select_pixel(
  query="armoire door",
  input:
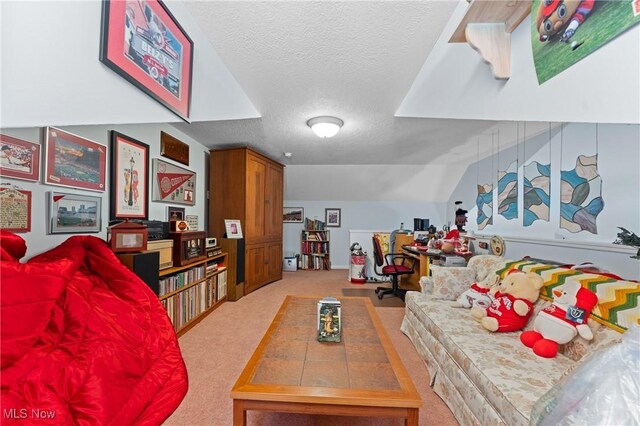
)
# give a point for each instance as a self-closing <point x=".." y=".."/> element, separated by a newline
<point x="255" y="208"/>
<point x="274" y="202"/>
<point x="256" y="268"/>
<point x="274" y="262"/>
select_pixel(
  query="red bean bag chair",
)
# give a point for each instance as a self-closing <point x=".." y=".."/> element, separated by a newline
<point x="83" y="339"/>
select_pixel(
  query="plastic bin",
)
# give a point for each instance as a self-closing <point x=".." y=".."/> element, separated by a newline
<point x="290" y="264"/>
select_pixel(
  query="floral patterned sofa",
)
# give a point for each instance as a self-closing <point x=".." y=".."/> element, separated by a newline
<point x="492" y="378"/>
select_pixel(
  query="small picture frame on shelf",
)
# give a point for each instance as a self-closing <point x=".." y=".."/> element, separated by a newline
<point x="233" y="228"/>
<point x="332" y="217"/>
<point x="293" y="215"/>
<point x="175" y="213"/>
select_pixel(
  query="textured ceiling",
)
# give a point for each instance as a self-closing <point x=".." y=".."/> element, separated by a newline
<point x="353" y="59"/>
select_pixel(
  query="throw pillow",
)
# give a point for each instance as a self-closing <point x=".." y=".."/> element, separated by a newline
<point x="450" y="282"/>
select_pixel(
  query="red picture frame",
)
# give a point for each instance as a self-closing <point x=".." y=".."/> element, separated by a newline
<point x="129" y="188"/>
<point x="143" y="42"/>
<point x="19" y="159"/>
<point x="74" y="161"/>
<point x="16" y="210"/>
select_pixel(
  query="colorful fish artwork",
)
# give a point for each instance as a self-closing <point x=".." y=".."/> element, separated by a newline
<point x="581" y="196"/>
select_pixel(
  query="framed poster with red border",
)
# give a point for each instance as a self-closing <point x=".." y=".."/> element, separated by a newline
<point x="144" y="44"/>
<point x="15" y="210"/>
<point x="173" y="184"/>
<point x="74" y="161"/>
<point x="129" y="188"/>
<point x="19" y="159"/>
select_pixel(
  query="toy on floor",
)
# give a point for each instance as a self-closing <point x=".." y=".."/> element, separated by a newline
<point x="562" y="321"/>
<point x="480" y="294"/>
<point x="513" y="302"/>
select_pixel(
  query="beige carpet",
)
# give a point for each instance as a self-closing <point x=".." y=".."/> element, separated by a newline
<point x="217" y="349"/>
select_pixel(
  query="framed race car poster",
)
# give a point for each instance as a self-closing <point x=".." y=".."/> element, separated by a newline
<point x="143" y="42"/>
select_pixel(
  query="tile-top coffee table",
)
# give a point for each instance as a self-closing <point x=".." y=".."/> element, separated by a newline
<point x="291" y="371"/>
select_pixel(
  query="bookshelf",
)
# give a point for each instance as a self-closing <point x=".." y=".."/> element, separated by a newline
<point x="314" y="246"/>
<point x="191" y="292"/>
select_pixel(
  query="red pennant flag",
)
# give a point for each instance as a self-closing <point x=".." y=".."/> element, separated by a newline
<point x="169" y="182"/>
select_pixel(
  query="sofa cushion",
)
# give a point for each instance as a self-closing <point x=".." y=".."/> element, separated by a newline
<point x="509" y="374"/>
<point x="485" y="264"/>
<point x="450" y="282"/>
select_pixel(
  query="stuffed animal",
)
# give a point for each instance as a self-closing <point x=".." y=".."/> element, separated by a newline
<point x="556" y="16"/>
<point x="480" y="294"/>
<point x="560" y="322"/>
<point x="513" y="302"/>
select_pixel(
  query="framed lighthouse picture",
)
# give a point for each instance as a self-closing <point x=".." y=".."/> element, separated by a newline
<point x="129" y="178"/>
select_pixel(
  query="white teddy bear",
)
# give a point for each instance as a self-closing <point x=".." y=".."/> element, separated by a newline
<point x="480" y="294"/>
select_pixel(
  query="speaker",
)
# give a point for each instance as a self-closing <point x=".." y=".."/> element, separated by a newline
<point x="146" y="266"/>
<point x="234" y="247"/>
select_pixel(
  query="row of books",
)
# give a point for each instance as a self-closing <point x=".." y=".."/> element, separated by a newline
<point x="314" y="224"/>
<point x="311" y="247"/>
<point x="181" y="279"/>
<point x="188" y="304"/>
<point x="315" y="235"/>
<point x="315" y="261"/>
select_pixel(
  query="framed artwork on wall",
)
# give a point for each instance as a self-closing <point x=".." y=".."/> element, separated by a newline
<point x="175" y="213"/>
<point x="73" y="213"/>
<point x="293" y="215"/>
<point x="129" y="178"/>
<point x="19" y="159"/>
<point x="144" y="44"/>
<point x="233" y="228"/>
<point x="15" y="210"/>
<point x="173" y="184"/>
<point x="332" y="217"/>
<point x="74" y="161"/>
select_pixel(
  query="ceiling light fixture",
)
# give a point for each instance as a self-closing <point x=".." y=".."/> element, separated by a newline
<point x="325" y="127"/>
<point x="288" y="154"/>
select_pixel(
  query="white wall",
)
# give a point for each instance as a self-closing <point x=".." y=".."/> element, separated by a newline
<point x="455" y="83"/>
<point x="52" y="75"/>
<point x="618" y="159"/>
<point x="374" y="214"/>
<point x="38" y="241"/>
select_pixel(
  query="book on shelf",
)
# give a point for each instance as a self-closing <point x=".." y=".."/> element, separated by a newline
<point x="314" y="224"/>
<point x="329" y="320"/>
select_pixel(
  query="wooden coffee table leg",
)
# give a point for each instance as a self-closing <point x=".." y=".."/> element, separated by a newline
<point x="240" y="414"/>
<point x="413" y="415"/>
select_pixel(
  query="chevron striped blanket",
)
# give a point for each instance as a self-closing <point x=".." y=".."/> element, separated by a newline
<point x="618" y="300"/>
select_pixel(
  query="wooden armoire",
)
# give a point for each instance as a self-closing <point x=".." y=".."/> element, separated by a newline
<point x="248" y="186"/>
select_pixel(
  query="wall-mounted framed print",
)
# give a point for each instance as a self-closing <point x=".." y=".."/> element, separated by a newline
<point x="15" y="210"/>
<point x="142" y="42"/>
<point x="19" y="159"/>
<point x="73" y="213"/>
<point x="175" y="213"/>
<point x="74" y="161"/>
<point x="173" y="184"/>
<point x="332" y="217"/>
<point x="174" y="149"/>
<point x="293" y="214"/>
<point x="129" y="178"/>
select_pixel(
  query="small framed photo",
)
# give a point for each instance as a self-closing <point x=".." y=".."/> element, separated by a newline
<point x="233" y="228"/>
<point x="72" y="213"/>
<point x="74" y="161"/>
<point x="293" y="215"/>
<point x="129" y="178"/>
<point x="175" y="213"/>
<point x="144" y="43"/>
<point x="19" y="159"/>
<point x="332" y="217"/>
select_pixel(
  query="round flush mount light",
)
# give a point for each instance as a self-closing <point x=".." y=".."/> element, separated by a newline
<point x="325" y="127"/>
<point x="288" y="154"/>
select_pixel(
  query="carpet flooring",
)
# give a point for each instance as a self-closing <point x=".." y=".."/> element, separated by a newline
<point x="217" y="349"/>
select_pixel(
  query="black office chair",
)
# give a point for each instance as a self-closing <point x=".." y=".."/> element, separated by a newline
<point x="392" y="269"/>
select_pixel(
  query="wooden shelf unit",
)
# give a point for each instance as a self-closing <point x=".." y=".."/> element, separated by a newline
<point x="191" y="292"/>
<point x="314" y="249"/>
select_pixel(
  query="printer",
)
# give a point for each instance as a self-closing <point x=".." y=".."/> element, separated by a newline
<point x="453" y="260"/>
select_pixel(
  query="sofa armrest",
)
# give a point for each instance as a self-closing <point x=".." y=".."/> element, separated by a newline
<point x="426" y="285"/>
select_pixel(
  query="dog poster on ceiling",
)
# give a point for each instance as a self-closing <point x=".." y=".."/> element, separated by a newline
<point x="564" y="32"/>
<point x="173" y="184"/>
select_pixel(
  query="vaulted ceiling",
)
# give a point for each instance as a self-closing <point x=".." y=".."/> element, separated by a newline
<point x="354" y="60"/>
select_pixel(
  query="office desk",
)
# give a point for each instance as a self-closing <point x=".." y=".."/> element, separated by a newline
<point x="424" y="259"/>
